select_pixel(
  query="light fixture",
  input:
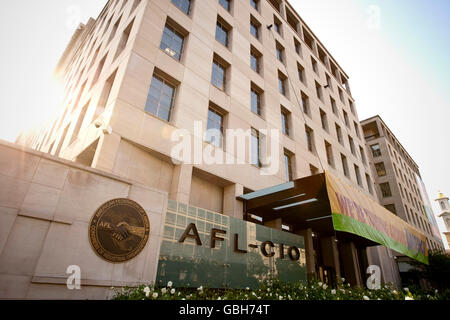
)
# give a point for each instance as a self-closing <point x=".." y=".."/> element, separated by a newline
<point x="295" y="204"/>
<point x="269" y="26"/>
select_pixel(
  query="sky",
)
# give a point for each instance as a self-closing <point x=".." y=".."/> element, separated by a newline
<point x="395" y="53"/>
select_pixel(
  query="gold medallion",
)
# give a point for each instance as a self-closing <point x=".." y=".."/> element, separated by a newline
<point x="119" y="230"/>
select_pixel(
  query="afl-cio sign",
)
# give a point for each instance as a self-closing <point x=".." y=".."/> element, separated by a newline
<point x="119" y="230"/>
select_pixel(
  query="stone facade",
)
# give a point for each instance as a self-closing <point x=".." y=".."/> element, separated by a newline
<point x="395" y="169"/>
<point x="46" y="204"/>
<point x="108" y="72"/>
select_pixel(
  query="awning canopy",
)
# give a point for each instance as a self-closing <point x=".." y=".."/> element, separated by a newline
<point x="331" y="206"/>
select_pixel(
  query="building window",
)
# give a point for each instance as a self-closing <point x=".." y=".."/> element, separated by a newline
<point x="323" y="120"/>
<point x="298" y="47"/>
<point x="222" y="32"/>
<point x="254" y="4"/>
<point x="385" y="190"/>
<point x="285" y="116"/>
<point x="254" y="60"/>
<point x="282" y="84"/>
<point x="369" y="183"/>
<point x="160" y="98"/>
<point x="391" y="208"/>
<point x="277" y="25"/>
<point x="254" y="27"/>
<point x="218" y="77"/>
<point x="341" y="95"/>
<point x="333" y="106"/>
<point x="381" y="170"/>
<point x="358" y="176"/>
<point x="183" y="5"/>
<point x="124" y="39"/>
<point x="319" y="91"/>
<point x="347" y="123"/>
<point x="256" y="148"/>
<point x="376" y="151"/>
<point x="339" y="134"/>
<point x="280" y="52"/>
<point x="301" y="73"/>
<point x="352" y="107"/>
<point x="314" y="65"/>
<point x="172" y="42"/>
<point x="305" y="104"/>
<point x="309" y="138"/>
<point x="363" y="155"/>
<point x="226" y="4"/>
<point x="214" y="133"/>
<point x="329" y="152"/>
<point x="344" y="165"/>
<point x="255" y="100"/>
<point x="357" y="129"/>
<point x="288" y="165"/>
<point x="352" y="145"/>
<point x="329" y="83"/>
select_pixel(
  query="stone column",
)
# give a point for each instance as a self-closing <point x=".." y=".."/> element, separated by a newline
<point x="231" y="206"/>
<point x="107" y="149"/>
<point x="352" y="271"/>
<point x="180" y="189"/>
<point x="309" y="251"/>
<point x="330" y="254"/>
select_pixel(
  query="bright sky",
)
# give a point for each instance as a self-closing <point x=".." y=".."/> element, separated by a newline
<point x="395" y="53"/>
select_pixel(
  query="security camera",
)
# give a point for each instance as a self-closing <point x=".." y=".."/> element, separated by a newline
<point x="107" y="130"/>
<point x="98" y="123"/>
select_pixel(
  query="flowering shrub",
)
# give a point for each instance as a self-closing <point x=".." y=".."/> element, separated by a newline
<point x="276" y="290"/>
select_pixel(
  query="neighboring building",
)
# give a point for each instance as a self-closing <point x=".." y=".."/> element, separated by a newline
<point x="445" y="214"/>
<point x="398" y="181"/>
<point x="145" y="69"/>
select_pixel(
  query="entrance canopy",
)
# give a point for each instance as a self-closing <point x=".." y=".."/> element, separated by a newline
<point x="330" y="206"/>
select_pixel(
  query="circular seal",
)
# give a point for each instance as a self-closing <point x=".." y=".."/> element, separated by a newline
<point x="119" y="230"/>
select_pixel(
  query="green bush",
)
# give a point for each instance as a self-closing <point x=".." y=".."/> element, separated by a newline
<point x="276" y="290"/>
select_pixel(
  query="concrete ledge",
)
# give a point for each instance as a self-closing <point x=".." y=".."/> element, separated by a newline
<point x="68" y="163"/>
<point x="84" y="282"/>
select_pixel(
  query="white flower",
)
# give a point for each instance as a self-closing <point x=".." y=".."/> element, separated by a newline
<point x="394" y="292"/>
<point x="348" y="284"/>
<point x="268" y="289"/>
<point x="169" y="284"/>
<point x="409" y="298"/>
<point x="366" y="298"/>
<point x="146" y="289"/>
<point x="200" y="288"/>
<point x="163" y="290"/>
<point x="172" y="291"/>
<point x="325" y="286"/>
<point x="219" y="298"/>
<point x="183" y="299"/>
<point x="320" y="284"/>
<point x="247" y="288"/>
<point x="280" y="297"/>
<point x="333" y="291"/>
<point x="343" y="279"/>
<point x="289" y="296"/>
<point x="406" y="289"/>
<point x="155" y="295"/>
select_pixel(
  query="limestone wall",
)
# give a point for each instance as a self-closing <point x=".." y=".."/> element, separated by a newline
<point x="46" y="204"/>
